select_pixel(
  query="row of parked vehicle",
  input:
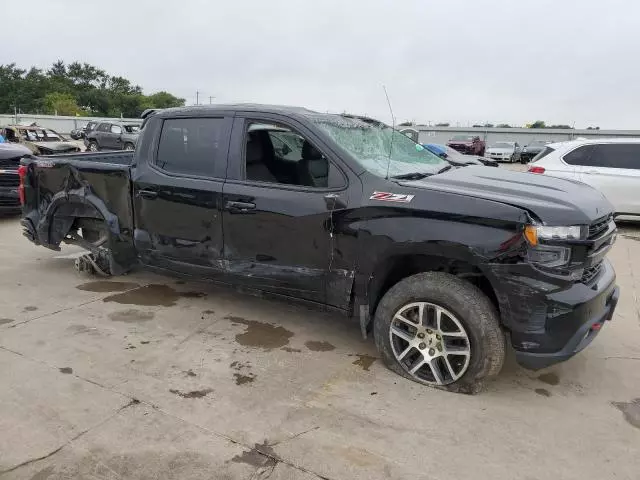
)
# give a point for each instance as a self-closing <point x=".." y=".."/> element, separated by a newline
<point x="108" y="135"/>
<point x="503" y="151"/>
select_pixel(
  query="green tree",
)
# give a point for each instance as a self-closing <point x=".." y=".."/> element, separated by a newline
<point x="537" y="124"/>
<point x="77" y="87"/>
<point x="57" y="103"/>
<point x="164" y="100"/>
<point x="503" y="125"/>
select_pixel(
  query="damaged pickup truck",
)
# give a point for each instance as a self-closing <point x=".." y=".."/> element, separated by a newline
<point x="441" y="264"/>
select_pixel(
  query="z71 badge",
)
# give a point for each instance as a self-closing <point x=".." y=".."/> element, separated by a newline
<point x="391" y="197"/>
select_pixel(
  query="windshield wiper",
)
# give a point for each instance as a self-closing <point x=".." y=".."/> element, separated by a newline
<point x="412" y="176"/>
<point x="444" y="169"/>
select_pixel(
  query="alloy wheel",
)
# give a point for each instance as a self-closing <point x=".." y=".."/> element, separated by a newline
<point x="430" y="343"/>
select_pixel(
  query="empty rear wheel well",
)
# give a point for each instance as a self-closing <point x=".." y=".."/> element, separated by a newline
<point x="397" y="268"/>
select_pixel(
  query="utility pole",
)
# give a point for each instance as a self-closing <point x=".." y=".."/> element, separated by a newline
<point x="211" y="99"/>
<point x="197" y="97"/>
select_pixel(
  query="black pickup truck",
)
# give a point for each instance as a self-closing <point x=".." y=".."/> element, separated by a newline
<point x="441" y="264"/>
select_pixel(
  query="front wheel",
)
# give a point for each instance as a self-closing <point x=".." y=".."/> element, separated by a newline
<point x="93" y="146"/>
<point x="128" y="146"/>
<point x="439" y="330"/>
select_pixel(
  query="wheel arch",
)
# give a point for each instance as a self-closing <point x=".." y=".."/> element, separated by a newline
<point x="457" y="260"/>
<point x="68" y="206"/>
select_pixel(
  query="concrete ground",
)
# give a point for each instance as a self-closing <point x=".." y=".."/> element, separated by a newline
<point x="146" y="377"/>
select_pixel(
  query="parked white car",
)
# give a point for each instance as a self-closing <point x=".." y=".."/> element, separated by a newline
<point x="503" y="151"/>
<point x="609" y="165"/>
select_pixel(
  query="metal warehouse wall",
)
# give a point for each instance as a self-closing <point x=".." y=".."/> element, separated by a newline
<point x="523" y="136"/>
<point x="60" y="124"/>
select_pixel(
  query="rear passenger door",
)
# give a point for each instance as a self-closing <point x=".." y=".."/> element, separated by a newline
<point x="177" y="193"/>
<point x="614" y="169"/>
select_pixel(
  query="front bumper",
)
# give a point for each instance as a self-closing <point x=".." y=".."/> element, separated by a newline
<point x="550" y="325"/>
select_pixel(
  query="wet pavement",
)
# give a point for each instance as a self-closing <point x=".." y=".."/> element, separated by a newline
<point x="144" y="376"/>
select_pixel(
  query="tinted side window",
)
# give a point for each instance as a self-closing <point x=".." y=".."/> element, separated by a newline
<point x="618" y="155"/>
<point x="103" y="127"/>
<point x="192" y="146"/>
<point x="279" y="154"/>
<point x="581" y="156"/>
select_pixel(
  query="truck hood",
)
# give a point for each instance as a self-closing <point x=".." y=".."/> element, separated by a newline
<point x="554" y="201"/>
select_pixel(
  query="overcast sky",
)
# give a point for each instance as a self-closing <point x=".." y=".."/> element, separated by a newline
<point x="562" y="61"/>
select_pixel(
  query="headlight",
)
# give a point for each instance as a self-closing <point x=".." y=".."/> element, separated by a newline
<point x="533" y="233"/>
<point x="551" y="256"/>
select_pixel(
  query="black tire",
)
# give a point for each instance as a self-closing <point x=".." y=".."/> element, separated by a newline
<point x="128" y="146"/>
<point x="472" y="308"/>
<point x="93" y="146"/>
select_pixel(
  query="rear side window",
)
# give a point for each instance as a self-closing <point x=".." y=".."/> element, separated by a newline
<point x="546" y="151"/>
<point x="617" y="155"/>
<point x="582" y="156"/>
<point x="192" y="146"/>
<point x="117" y="129"/>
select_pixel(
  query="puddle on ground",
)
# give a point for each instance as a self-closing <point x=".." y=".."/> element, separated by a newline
<point x="291" y="350"/>
<point x="549" y="378"/>
<point x="155" y="295"/>
<point x="261" y="335"/>
<point x="131" y="315"/>
<point x="364" y="361"/>
<point x="67" y="370"/>
<point x="4" y="321"/>
<point x="243" y="379"/>
<point x="261" y="455"/>
<point x="30" y="308"/>
<point x="208" y="312"/>
<point x="189" y="373"/>
<point x="630" y="410"/>
<point x="106" y="286"/>
<point x="543" y="391"/>
<point x="148" y="296"/>
<point x="192" y="394"/>
<point x="319" y="346"/>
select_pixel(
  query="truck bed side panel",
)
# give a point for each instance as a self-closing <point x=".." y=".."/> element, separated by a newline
<point x="58" y="191"/>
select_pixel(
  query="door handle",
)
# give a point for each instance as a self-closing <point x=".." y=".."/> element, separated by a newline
<point x="240" y="207"/>
<point x="148" y="194"/>
<point x="333" y="201"/>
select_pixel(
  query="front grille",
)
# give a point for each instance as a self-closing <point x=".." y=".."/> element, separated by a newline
<point x="9" y="180"/>
<point x="9" y="164"/>
<point x="599" y="226"/>
<point x="591" y="273"/>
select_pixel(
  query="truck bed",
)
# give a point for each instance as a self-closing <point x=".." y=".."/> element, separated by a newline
<point x="59" y="188"/>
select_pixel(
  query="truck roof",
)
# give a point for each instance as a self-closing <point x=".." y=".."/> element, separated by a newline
<point x="203" y="110"/>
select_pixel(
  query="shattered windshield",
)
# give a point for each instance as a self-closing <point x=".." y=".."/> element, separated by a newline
<point x="377" y="147"/>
